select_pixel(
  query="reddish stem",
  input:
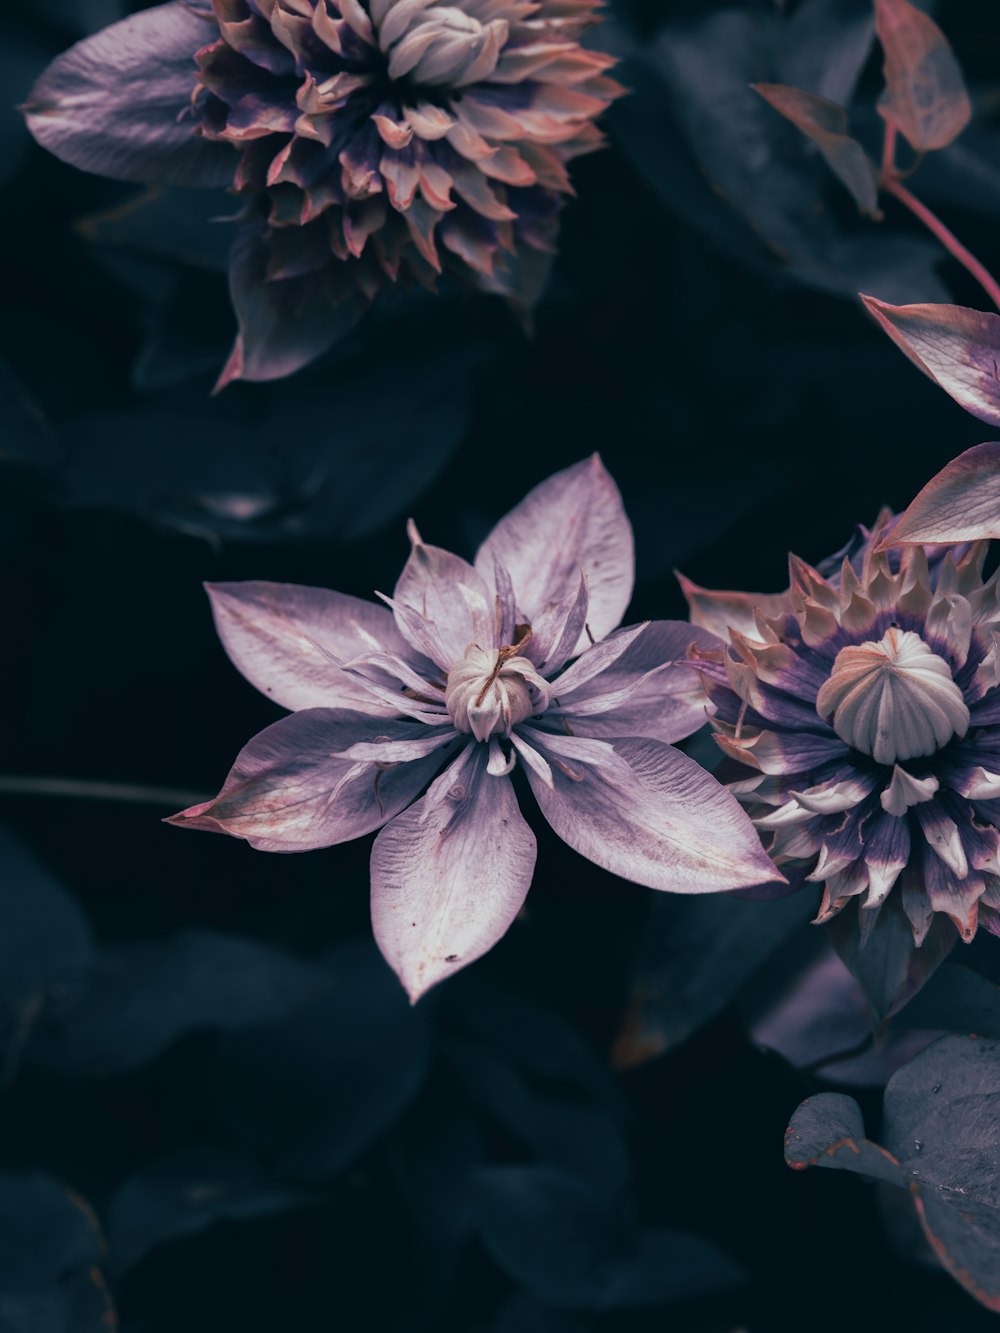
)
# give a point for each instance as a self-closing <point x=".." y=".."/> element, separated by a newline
<point x="891" y="182"/>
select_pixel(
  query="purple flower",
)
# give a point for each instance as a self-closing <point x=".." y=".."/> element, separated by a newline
<point x="411" y="721"/>
<point x="865" y="701"/>
<point x="372" y="139"/>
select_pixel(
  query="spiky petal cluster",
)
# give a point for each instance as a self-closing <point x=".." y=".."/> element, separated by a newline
<point x="866" y="700"/>
<point x="374" y="139"/>
<point x="411" y="722"/>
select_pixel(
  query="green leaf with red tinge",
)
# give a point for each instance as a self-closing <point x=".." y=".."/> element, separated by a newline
<point x="825" y="123"/>
<point x="942" y="1144"/>
<point x="925" y="96"/>
<point x="958" y="348"/>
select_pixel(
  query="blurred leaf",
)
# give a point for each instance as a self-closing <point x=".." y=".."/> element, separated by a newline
<point x="715" y="153"/>
<point x="585" y="1139"/>
<point x="338" y="461"/>
<point x="942" y="1143"/>
<point x="825" y="124"/>
<point x="889" y="967"/>
<point x="523" y="1315"/>
<point x="954" y="1000"/>
<point x="959" y="349"/>
<point x="183" y="226"/>
<point x="925" y="95"/>
<point x="317" y="1087"/>
<point x="141" y="998"/>
<point x="575" y="1249"/>
<point x="25" y="435"/>
<point x="696" y="956"/>
<point x="184" y="1194"/>
<point x="50" y="1248"/>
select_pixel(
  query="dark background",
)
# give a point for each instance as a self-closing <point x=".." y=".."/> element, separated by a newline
<point x="267" y="1152"/>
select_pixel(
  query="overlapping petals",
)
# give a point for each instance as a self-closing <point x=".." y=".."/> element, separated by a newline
<point x="866" y="704"/>
<point x="373" y="140"/>
<point x="437" y="700"/>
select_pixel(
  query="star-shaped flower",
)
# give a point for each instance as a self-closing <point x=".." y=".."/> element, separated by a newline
<point x="411" y="719"/>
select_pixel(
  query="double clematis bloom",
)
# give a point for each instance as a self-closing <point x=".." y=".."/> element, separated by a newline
<point x="866" y="702"/>
<point x="411" y="720"/>
<point x="372" y="140"/>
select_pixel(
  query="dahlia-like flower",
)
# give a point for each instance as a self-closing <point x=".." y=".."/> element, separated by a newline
<point x="414" y="718"/>
<point x="866" y="701"/>
<point x="372" y="139"/>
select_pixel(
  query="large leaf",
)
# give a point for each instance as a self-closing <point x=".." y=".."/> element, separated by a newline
<point x="50" y="1249"/>
<point x="141" y="998"/>
<point x="942" y="1143"/>
<point x="696" y="956"/>
<point x="576" y="1249"/>
<point x="186" y="1193"/>
<point x="315" y="1088"/>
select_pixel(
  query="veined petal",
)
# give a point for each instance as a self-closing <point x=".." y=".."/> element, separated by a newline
<point x="449" y="594"/>
<point x="449" y="876"/>
<point x="290" y="792"/>
<point x="282" y="636"/>
<point x="573" y="521"/>
<point x="638" y="699"/>
<point x="962" y="503"/>
<point x="118" y="103"/>
<point x="597" y="658"/>
<point x="719" y="612"/>
<point x="672" y="827"/>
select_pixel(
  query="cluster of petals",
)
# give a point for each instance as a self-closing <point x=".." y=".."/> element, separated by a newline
<point x="410" y="718"/>
<point x="373" y="139"/>
<point x="866" y="700"/>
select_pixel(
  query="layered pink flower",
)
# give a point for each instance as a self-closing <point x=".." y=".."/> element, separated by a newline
<point x="411" y="720"/>
<point x="865" y="704"/>
<point x="372" y="139"/>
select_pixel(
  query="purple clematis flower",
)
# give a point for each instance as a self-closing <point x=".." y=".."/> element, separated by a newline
<point x="410" y="720"/>
<point x="865" y="702"/>
<point x="372" y="140"/>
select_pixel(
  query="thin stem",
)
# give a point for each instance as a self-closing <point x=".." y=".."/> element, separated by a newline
<point x="950" y="242"/>
<point x="16" y="785"/>
<point x="891" y="180"/>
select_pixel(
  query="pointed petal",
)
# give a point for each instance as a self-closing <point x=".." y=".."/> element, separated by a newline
<point x="289" y="792"/>
<point x="956" y="347"/>
<point x="449" y="876"/>
<point x="451" y="596"/>
<point x="573" y="521"/>
<point x="671" y="827"/>
<point x="666" y="706"/>
<point x="962" y="503"/>
<point x="281" y="636"/>
<point x="118" y="103"/>
<point x="719" y="612"/>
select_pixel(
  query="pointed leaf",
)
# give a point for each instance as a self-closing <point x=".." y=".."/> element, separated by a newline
<point x="925" y="95"/>
<point x="957" y="348"/>
<point x="826" y="124"/>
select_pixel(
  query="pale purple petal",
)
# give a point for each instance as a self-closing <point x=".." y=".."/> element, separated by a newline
<point x="962" y="503"/>
<point x="556" y="632"/>
<point x="282" y="636"/>
<point x="289" y="792"/>
<point x="957" y="348"/>
<point x="719" y="612"/>
<point x="449" y="876"/>
<point x="597" y="658"/>
<point x="665" y="706"/>
<point x="672" y="827"/>
<point x="446" y="591"/>
<point x="573" y="522"/>
<point x="118" y="103"/>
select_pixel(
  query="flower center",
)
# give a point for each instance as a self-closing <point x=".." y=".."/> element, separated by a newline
<point x="490" y="691"/>
<point x="440" y="44"/>
<point x="894" y="699"/>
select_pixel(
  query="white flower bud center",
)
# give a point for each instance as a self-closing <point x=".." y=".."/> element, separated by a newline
<point x="440" y="44"/>
<point x="490" y="691"/>
<point x="894" y="699"/>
